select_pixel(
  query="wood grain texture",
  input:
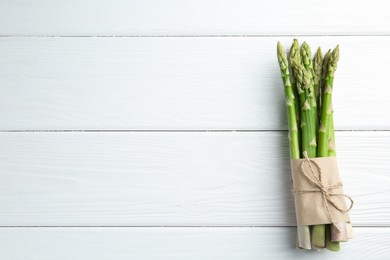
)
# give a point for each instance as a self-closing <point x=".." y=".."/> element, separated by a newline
<point x="175" y="179"/>
<point x="179" y="243"/>
<point x="201" y="17"/>
<point x="177" y="83"/>
<point x="214" y="71"/>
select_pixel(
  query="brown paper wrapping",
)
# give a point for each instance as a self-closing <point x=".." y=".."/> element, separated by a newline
<point x="313" y="204"/>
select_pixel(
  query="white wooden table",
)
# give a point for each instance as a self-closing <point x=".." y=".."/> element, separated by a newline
<point x="156" y="129"/>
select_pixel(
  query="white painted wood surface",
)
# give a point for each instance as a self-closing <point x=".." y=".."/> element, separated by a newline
<point x="180" y="243"/>
<point x="201" y="17"/>
<point x="135" y="186"/>
<point x="175" y="179"/>
<point x="177" y="83"/>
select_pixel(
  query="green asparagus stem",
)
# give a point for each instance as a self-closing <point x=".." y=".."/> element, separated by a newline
<point x="318" y="232"/>
<point x="330" y="245"/>
<point x="309" y="143"/>
<point x="312" y="95"/>
<point x="331" y="137"/>
<point x="326" y="103"/>
<point x="317" y="70"/>
<point x="290" y="101"/>
<point x="294" y="50"/>
<point x="325" y="63"/>
<point x="303" y="231"/>
<point x="296" y="56"/>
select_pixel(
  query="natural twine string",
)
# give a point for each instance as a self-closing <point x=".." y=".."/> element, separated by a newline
<point x="325" y="190"/>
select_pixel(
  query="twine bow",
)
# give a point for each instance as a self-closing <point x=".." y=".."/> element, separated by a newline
<point x="326" y="191"/>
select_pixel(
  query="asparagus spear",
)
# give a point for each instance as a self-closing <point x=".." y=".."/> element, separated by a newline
<point x="308" y="124"/>
<point x="295" y="56"/>
<point x="290" y="100"/>
<point x="330" y="231"/>
<point x="319" y="230"/>
<point x="326" y="103"/>
<point x="307" y="121"/>
<point x="312" y="98"/>
<point x="331" y="137"/>
<point x="324" y="71"/>
<point x="294" y="51"/>
<point x="339" y="234"/>
<point x="303" y="231"/>
<point x="309" y="143"/>
<point x="317" y="70"/>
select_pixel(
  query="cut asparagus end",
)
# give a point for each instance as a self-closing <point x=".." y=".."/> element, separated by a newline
<point x="331" y="245"/>
<point x="304" y="241"/>
<point x="318" y="236"/>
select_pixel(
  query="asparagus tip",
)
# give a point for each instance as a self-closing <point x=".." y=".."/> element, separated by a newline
<point x="280" y="48"/>
<point x="336" y="53"/>
<point x="319" y="52"/>
<point x="318" y="56"/>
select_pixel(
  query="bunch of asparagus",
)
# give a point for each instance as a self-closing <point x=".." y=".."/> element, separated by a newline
<point x="308" y="85"/>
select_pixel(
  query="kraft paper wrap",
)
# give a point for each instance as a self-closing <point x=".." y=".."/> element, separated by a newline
<point x="318" y="193"/>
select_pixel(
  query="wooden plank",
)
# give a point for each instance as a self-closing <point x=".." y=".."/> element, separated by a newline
<point x="179" y="243"/>
<point x="201" y="17"/>
<point x="177" y="83"/>
<point x="142" y="179"/>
